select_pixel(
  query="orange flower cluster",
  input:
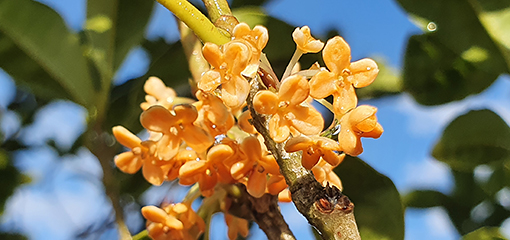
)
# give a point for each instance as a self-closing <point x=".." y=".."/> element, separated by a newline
<point x="210" y="142"/>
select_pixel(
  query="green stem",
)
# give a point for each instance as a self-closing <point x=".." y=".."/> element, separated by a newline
<point x="217" y="8"/>
<point x="143" y="235"/>
<point x="195" y="20"/>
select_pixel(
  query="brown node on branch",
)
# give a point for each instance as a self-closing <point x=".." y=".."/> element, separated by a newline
<point x="333" y="199"/>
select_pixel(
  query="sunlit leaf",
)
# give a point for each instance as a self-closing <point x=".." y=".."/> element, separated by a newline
<point x="478" y="137"/>
<point x="10" y="178"/>
<point x="485" y="233"/>
<point x="36" y="39"/>
<point x="425" y="199"/>
<point x="456" y="57"/>
<point x="377" y="204"/>
<point x="388" y="81"/>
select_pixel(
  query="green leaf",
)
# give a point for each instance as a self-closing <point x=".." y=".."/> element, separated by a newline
<point x="378" y="207"/>
<point x="457" y="57"/>
<point x="10" y="178"/>
<point x="425" y="199"/>
<point x="484" y="233"/>
<point x="459" y="29"/>
<point x="132" y="18"/>
<point x="434" y="74"/>
<point x="478" y="137"/>
<point x="46" y="47"/>
<point x="169" y="63"/>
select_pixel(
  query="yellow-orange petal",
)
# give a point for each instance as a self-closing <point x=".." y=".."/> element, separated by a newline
<point x="251" y="148"/>
<point x="332" y="157"/>
<point x="276" y="184"/>
<point x="209" y="81"/>
<point x="305" y="42"/>
<point x="375" y="133"/>
<point x="298" y="143"/>
<point x="363" y="72"/>
<point x="196" y="138"/>
<point x="219" y="153"/>
<point x="235" y="92"/>
<point x="350" y="142"/>
<point x="186" y="113"/>
<point x="336" y="54"/>
<point x="323" y="84"/>
<point x="244" y="123"/>
<point x="278" y="130"/>
<point x="158" y="215"/>
<point x="344" y="100"/>
<point x="306" y="120"/>
<point x="294" y="90"/>
<point x="157" y="118"/>
<point x="363" y="113"/>
<point x="333" y="179"/>
<point x="310" y="158"/>
<point x="167" y="146"/>
<point x="213" y="54"/>
<point x="241" y="168"/>
<point x="261" y="36"/>
<point x="128" y="162"/>
<point x="284" y="196"/>
<point x="192" y="168"/>
<point x="153" y="173"/>
<point x="257" y="183"/>
<point x="125" y="137"/>
<point x="207" y="181"/>
<point x="265" y="102"/>
<point x="237" y="55"/>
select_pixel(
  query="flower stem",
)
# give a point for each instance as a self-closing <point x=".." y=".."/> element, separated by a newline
<point x="295" y="58"/>
<point x="195" y="20"/>
<point x="217" y="8"/>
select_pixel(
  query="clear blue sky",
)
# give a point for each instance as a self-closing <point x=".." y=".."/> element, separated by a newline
<point x="372" y="27"/>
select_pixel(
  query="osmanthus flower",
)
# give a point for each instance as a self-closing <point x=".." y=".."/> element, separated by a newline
<point x="255" y="164"/>
<point x="342" y="76"/>
<point x="360" y="122"/>
<point x="174" y="127"/>
<point x="228" y="62"/>
<point x="213" y="115"/>
<point x="142" y="154"/>
<point x="207" y="171"/>
<point x="324" y="174"/>
<point x="244" y="122"/>
<point x="288" y="109"/>
<point x="174" y="221"/>
<point x="305" y="42"/>
<point x="256" y="39"/>
<point x="236" y="226"/>
<point x="314" y="148"/>
<point x="157" y="94"/>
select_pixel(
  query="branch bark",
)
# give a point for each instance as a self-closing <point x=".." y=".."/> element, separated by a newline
<point x="264" y="211"/>
<point x="326" y="208"/>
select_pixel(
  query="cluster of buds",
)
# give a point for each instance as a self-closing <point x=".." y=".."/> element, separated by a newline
<point x="211" y="141"/>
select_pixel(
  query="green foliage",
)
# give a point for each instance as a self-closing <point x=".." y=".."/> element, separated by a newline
<point x="45" y="46"/>
<point x="10" y="178"/>
<point x="458" y="56"/>
<point x="378" y="209"/>
<point x="476" y="138"/>
<point x="485" y="233"/>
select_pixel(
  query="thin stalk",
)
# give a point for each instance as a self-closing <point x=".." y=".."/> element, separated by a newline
<point x="195" y="20"/>
<point x="295" y="58"/>
<point x="217" y="8"/>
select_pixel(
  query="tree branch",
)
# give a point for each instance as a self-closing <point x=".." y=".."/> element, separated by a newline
<point x="326" y="208"/>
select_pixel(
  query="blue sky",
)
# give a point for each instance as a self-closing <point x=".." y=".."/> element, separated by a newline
<point x="65" y="190"/>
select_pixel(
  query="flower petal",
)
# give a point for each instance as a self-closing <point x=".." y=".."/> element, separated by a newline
<point x="235" y="92"/>
<point x="257" y="183"/>
<point x="125" y="137"/>
<point x="337" y="54"/>
<point x="363" y="72"/>
<point x="307" y="120"/>
<point x="212" y="54"/>
<point x="344" y="100"/>
<point x="219" y="153"/>
<point x="278" y="130"/>
<point x="192" y="168"/>
<point x="298" y="143"/>
<point x="196" y="138"/>
<point x="153" y="173"/>
<point x="209" y="81"/>
<point x="157" y="118"/>
<point x="323" y="84"/>
<point x="294" y="90"/>
<point x="265" y="102"/>
<point x="128" y="162"/>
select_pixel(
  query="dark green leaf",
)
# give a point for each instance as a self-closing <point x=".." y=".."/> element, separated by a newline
<point x="168" y="63"/>
<point x="425" y="199"/>
<point x="12" y="236"/>
<point x="458" y="28"/>
<point x="10" y="178"/>
<point x="46" y="47"/>
<point x="132" y="18"/>
<point x="478" y="137"/>
<point x="434" y="74"/>
<point x="378" y="207"/>
<point x="484" y="233"/>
